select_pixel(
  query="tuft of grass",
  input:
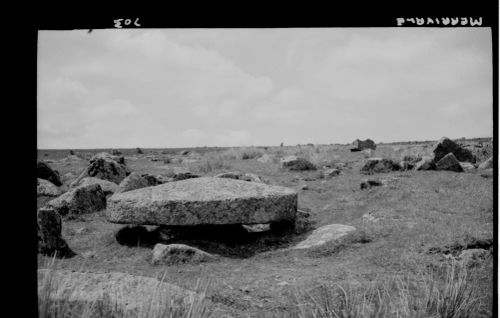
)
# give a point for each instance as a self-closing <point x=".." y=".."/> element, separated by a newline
<point x="210" y="163"/>
<point x="160" y="305"/>
<point x="429" y="294"/>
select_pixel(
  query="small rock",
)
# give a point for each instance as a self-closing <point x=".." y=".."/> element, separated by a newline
<point x="293" y="163"/>
<point x="488" y="164"/>
<point x="107" y="186"/>
<point x="378" y="165"/>
<point x="449" y="163"/>
<point x="46" y="188"/>
<point x="325" y="234"/>
<point x="178" y="254"/>
<point x="467" y="166"/>
<point x="304" y="187"/>
<point x="80" y="200"/>
<point x="367" y="184"/>
<point x="426" y="163"/>
<point x="330" y="173"/>
<point x="137" y="181"/>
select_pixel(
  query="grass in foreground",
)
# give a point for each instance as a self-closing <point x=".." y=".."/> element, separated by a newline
<point x="451" y="294"/>
<point x="157" y="305"/>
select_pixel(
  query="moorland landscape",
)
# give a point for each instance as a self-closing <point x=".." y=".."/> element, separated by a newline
<point x="341" y="230"/>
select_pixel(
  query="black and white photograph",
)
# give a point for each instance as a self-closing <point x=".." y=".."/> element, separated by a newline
<point x="294" y="172"/>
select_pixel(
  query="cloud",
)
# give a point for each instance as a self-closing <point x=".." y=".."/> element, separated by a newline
<point x="186" y="87"/>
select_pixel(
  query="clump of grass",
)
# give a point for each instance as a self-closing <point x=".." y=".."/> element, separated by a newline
<point x="159" y="304"/>
<point x="430" y="294"/>
<point x="211" y="163"/>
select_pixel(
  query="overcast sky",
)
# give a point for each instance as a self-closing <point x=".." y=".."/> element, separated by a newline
<point x="241" y="87"/>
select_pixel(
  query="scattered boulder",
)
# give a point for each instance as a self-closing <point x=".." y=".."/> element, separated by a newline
<point x="108" y="187"/>
<point x="44" y="171"/>
<point x="426" y="163"/>
<point x="46" y="188"/>
<point x="121" y="294"/>
<point x="82" y="199"/>
<point x="50" y="241"/>
<point x="139" y="151"/>
<point x="178" y="254"/>
<point x="116" y="152"/>
<point x="359" y="145"/>
<point x="203" y="200"/>
<point x="251" y="177"/>
<point x="185" y="152"/>
<point x="293" y="163"/>
<point x="178" y="175"/>
<point x="104" y="155"/>
<point x="449" y="163"/>
<point x="107" y="168"/>
<point x="367" y="184"/>
<point x="330" y="173"/>
<point x="136" y="181"/>
<point x="488" y="164"/>
<point x="444" y="146"/>
<point x="378" y="165"/>
<point x="467" y="166"/>
<point x="325" y="234"/>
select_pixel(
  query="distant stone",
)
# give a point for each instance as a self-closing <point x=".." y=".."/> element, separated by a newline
<point x="107" y="186"/>
<point x="46" y="188"/>
<point x="80" y="200"/>
<point x="449" y="163"/>
<point x="367" y="184"/>
<point x="106" y="168"/>
<point x="116" y="152"/>
<point x="257" y="228"/>
<point x="185" y="152"/>
<point x="203" y="201"/>
<point x="444" y="146"/>
<point x="179" y="254"/>
<point x="304" y="187"/>
<point x="251" y="177"/>
<point x="324" y="235"/>
<point x="104" y="155"/>
<point x="44" y="171"/>
<point x="294" y="163"/>
<point x="488" y="164"/>
<point x="330" y="173"/>
<point x="128" y="295"/>
<point x="359" y="145"/>
<point x="178" y="175"/>
<point x="426" y="163"/>
<point x="378" y="165"/>
<point x="467" y="166"/>
<point x="50" y="240"/>
<point x="136" y="181"/>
